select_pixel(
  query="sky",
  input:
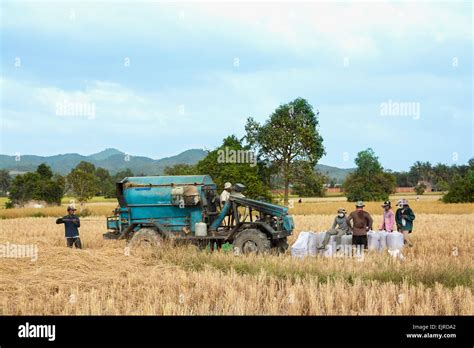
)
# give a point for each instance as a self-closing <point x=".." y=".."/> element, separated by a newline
<point x="157" y="78"/>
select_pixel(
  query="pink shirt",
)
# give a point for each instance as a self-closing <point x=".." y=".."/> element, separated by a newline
<point x="388" y="220"/>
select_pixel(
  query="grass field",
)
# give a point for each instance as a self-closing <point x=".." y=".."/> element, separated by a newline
<point x="95" y="209"/>
<point x="423" y="206"/>
<point x="103" y="278"/>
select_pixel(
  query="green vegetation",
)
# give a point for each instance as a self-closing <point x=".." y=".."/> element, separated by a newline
<point x="420" y="188"/>
<point x="461" y="189"/>
<point x="41" y="185"/>
<point x="5" y="181"/>
<point x="83" y="181"/>
<point x="181" y="169"/>
<point x="369" y="182"/>
<point x="290" y="136"/>
<point x="308" y="182"/>
<point x="252" y="175"/>
<point x="439" y="176"/>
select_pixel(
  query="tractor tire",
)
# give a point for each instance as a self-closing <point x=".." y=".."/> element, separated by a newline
<point x="251" y="241"/>
<point x="280" y="246"/>
<point x="146" y="237"/>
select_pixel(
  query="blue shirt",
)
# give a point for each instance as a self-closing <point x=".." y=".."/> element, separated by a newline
<point x="71" y="225"/>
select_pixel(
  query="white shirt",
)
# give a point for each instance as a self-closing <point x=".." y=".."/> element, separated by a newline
<point x="225" y="196"/>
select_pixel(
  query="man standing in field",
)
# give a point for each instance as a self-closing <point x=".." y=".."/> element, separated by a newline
<point x="360" y="222"/>
<point x="404" y="217"/>
<point x="71" y="224"/>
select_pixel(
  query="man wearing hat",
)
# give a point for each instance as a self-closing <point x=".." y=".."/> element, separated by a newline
<point x="404" y="218"/>
<point x="360" y="222"/>
<point x="339" y="228"/>
<point x="225" y="195"/>
<point x="71" y="224"/>
<point x="388" y="222"/>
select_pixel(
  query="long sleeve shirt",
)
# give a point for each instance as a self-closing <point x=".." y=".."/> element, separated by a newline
<point x="404" y="218"/>
<point x="341" y="223"/>
<point x="71" y="225"/>
<point x="388" y="222"/>
<point x="360" y="222"/>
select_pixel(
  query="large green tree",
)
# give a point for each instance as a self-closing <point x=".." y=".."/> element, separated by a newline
<point x="369" y="182"/>
<point x="288" y="136"/>
<point x="421" y="171"/>
<point x="224" y="170"/>
<point x="106" y="183"/>
<point x="307" y="182"/>
<point x="403" y="179"/>
<point x="24" y="188"/>
<point x="83" y="181"/>
<point x="54" y="189"/>
<point x="44" y="171"/>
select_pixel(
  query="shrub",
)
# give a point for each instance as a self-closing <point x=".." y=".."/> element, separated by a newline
<point x="369" y="182"/>
<point x="420" y="189"/>
<point x="85" y="212"/>
<point x="461" y="189"/>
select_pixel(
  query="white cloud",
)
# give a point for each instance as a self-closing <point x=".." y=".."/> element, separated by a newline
<point x="348" y="28"/>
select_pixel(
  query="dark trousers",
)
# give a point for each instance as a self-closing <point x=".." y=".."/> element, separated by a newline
<point x="76" y="241"/>
<point x="359" y="240"/>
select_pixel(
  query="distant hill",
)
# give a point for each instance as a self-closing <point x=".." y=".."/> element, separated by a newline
<point x="99" y="156"/>
<point x="333" y="172"/>
<point x="114" y="161"/>
<point x="111" y="159"/>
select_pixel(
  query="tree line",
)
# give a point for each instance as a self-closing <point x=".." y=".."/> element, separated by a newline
<point x="285" y="150"/>
<point x="439" y="176"/>
<point x="83" y="182"/>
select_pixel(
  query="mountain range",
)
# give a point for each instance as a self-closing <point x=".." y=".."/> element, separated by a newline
<point x="114" y="161"/>
<point x="111" y="159"/>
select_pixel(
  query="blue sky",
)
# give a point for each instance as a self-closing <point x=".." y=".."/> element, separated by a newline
<point x="166" y="77"/>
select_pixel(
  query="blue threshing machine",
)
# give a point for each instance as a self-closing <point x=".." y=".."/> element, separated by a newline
<point x="187" y="208"/>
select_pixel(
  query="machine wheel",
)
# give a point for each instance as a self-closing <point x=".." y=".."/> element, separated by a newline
<point x="251" y="241"/>
<point x="281" y="246"/>
<point x="146" y="237"/>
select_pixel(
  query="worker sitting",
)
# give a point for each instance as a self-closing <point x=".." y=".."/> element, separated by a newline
<point x="339" y="228"/>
